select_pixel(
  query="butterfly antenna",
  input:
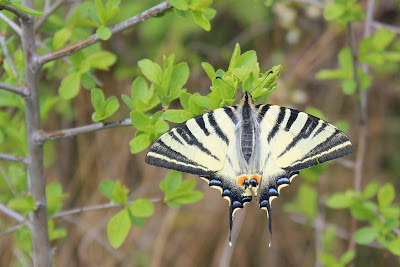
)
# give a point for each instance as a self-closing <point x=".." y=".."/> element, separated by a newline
<point x="227" y="84"/>
<point x="263" y="80"/>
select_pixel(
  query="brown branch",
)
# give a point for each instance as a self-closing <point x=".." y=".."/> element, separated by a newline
<point x="42" y="136"/>
<point x="14" y="158"/>
<point x="312" y="2"/>
<point x="71" y="49"/>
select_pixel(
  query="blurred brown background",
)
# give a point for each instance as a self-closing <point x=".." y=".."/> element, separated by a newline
<point x="294" y="35"/>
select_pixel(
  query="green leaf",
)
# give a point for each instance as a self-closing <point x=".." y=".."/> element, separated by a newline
<point x="98" y="102"/>
<point x="327" y="259"/>
<point x="307" y="200"/>
<point x="386" y="195"/>
<point x="100" y="11"/>
<point x="394" y="246"/>
<point x="140" y="120"/>
<point x="70" y="86"/>
<point x="23" y="204"/>
<point x="201" y="20"/>
<point x="161" y="126"/>
<point x="382" y="38"/>
<point x="209" y="70"/>
<point x="187" y="197"/>
<point x="362" y="211"/>
<point x="248" y="59"/>
<point x="104" y="33"/>
<point x="180" y="75"/>
<point x="118" y="228"/>
<point x="54" y="197"/>
<point x="339" y="201"/>
<point x="137" y="221"/>
<point x="331" y="74"/>
<point x="112" y="106"/>
<point x="370" y="190"/>
<point x="366" y="235"/>
<point x="120" y="193"/>
<point x="179" y="4"/>
<point x="139" y="88"/>
<point x="106" y="188"/>
<point x="171" y="182"/>
<point x="346" y="61"/>
<point x="177" y="115"/>
<point x="142" y="208"/>
<point x="25" y="9"/>
<point x="139" y="143"/>
<point x="101" y="60"/>
<point x="151" y="70"/>
<point x="349" y="87"/>
<point x="61" y="37"/>
<point x="333" y="11"/>
<point x="88" y="82"/>
<point x="347" y="257"/>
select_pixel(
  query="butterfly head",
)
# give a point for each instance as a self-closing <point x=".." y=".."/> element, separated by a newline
<point x="247" y="99"/>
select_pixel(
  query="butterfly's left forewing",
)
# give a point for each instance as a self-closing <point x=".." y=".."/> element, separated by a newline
<point x="197" y="146"/>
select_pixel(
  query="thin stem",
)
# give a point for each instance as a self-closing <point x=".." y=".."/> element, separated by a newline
<point x="11" y="23"/>
<point x="48" y="11"/>
<point x="363" y="117"/>
<point x="94" y="207"/>
<point x="378" y="25"/>
<point x="15" y="215"/>
<point x="71" y="49"/>
<point x="11" y="230"/>
<point x="6" y="53"/>
<point x="8" y="182"/>
<point x="45" y="136"/>
<point x="14" y="158"/>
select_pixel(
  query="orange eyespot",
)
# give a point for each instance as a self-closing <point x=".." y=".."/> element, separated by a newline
<point x="257" y="177"/>
<point x="241" y="179"/>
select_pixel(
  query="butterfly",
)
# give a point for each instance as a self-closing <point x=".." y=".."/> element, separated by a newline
<point x="249" y="150"/>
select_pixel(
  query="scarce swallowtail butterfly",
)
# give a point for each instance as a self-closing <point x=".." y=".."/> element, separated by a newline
<point x="249" y="149"/>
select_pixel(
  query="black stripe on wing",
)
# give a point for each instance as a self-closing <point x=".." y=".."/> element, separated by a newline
<point x="279" y="120"/>
<point x="190" y="139"/>
<point x="172" y="159"/>
<point x="216" y="127"/>
<point x="308" y="127"/>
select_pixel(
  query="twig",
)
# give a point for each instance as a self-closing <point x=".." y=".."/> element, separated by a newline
<point x="7" y="56"/>
<point x="346" y="163"/>
<point x="11" y="23"/>
<point x="71" y="49"/>
<point x="378" y="25"/>
<point x="11" y="229"/>
<point x="14" y="158"/>
<point x="15" y="215"/>
<point x="45" y="136"/>
<point x="94" y="207"/>
<point x="362" y="138"/>
<point x="18" y="13"/>
<point x="47" y="12"/>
